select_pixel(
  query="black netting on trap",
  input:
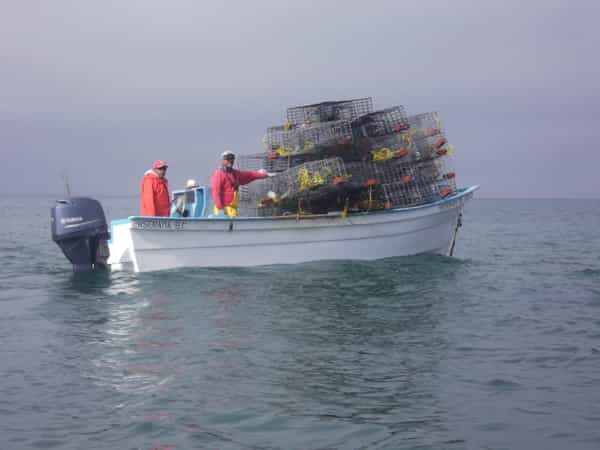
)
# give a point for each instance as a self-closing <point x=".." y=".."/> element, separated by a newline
<point x="369" y="173"/>
<point x="330" y="198"/>
<point x="425" y="125"/>
<point x="362" y="173"/>
<point x="308" y="138"/>
<point x="430" y="182"/>
<point x="313" y="187"/>
<point x="384" y="148"/>
<point x="273" y="162"/>
<point x="331" y="185"/>
<point x="305" y="180"/>
<point x="380" y="123"/>
<point x="400" y="146"/>
<point x="382" y="159"/>
<point x="404" y="183"/>
<point x="369" y="198"/>
<point x="347" y="110"/>
<point x="318" y="201"/>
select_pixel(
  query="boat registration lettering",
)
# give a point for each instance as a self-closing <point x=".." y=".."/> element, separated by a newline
<point x="159" y="224"/>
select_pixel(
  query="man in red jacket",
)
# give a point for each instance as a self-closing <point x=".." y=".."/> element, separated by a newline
<point x="155" y="191"/>
<point x="225" y="183"/>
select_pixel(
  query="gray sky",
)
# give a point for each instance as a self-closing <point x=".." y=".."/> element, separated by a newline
<point x="101" y="89"/>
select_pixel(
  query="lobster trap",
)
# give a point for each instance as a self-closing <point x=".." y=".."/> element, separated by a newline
<point x="404" y="183"/>
<point x="308" y="138"/>
<point x="335" y="156"/>
<point x="347" y="110"/>
<point x="256" y="192"/>
<point x="384" y="148"/>
<point x="273" y="162"/>
<point x="403" y="196"/>
<point x="313" y="182"/>
<point x="425" y="125"/>
<point x="432" y="147"/>
<point x="380" y="123"/>
<point x="446" y="180"/>
<point x="305" y="179"/>
<point x="401" y="146"/>
<point x="370" y="173"/>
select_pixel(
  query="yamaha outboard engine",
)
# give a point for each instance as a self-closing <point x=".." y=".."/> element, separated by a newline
<point x="79" y="228"/>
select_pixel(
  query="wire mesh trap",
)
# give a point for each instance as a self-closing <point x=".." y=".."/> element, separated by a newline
<point x="342" y="155"/>
<point x="347" y="110"/>
<point x="382" y="122"/>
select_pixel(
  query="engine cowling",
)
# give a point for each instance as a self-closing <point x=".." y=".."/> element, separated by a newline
<point x="80" y="230"/>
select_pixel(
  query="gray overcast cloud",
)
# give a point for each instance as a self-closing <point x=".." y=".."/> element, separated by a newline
<point x="101" y="89"/>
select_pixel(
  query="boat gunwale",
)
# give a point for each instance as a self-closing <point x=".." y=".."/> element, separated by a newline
<point x="456" y="195"/>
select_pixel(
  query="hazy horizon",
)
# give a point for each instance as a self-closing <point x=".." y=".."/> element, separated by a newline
<point x="101" y="90"/>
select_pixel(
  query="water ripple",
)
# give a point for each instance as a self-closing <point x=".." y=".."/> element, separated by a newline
<point x="496" y="348"/>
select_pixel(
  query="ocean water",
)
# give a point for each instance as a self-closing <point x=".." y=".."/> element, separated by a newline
<point x="497" y="348"/>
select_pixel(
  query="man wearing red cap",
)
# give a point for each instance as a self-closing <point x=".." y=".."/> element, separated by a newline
<point x="155" y="191"/>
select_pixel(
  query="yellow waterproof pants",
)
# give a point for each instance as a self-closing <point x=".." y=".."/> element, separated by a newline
<point x="231" y="209"/>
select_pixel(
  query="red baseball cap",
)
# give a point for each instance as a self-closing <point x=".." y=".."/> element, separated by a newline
<point x="159" y="163"/>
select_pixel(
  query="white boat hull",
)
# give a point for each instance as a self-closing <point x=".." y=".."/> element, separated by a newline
<point x="165" y="243"/>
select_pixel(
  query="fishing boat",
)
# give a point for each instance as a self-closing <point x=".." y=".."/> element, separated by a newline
<point x="347" y="183"/>
<point x="145" y="244"/>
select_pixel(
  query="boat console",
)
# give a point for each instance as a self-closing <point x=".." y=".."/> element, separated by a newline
<point x="194" y="202"/>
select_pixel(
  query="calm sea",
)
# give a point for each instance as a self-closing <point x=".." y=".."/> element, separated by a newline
<point x="498" y="348"/>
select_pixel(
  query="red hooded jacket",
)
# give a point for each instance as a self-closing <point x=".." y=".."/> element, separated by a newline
<point x="224" y="184"/>
<point x="155" y="195"/>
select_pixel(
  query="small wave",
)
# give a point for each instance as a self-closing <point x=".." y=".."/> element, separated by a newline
<point x="534" y="412"/>
<point x="587" y="272"/>
<point x="561" y="435"/>
<point x="502" y="384"/>
<point x="494" y="426"/>
<point x="455" y="441"/>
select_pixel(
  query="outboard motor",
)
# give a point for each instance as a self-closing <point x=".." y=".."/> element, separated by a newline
<point x="79" y="228"/>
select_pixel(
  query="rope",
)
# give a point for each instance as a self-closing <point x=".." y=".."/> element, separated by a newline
<point x="458" y="225"/>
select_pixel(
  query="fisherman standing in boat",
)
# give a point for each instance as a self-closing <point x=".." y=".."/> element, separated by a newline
<point x="225" y="183"/>
<point x="155" y="191"/>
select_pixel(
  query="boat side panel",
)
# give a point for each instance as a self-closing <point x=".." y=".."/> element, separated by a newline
<point x="335" y="239"/>
<point x="160" y="244"/>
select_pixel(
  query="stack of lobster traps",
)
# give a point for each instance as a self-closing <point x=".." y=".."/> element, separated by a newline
<point x="313" y="187"/>
<point x="343" y="156"/>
